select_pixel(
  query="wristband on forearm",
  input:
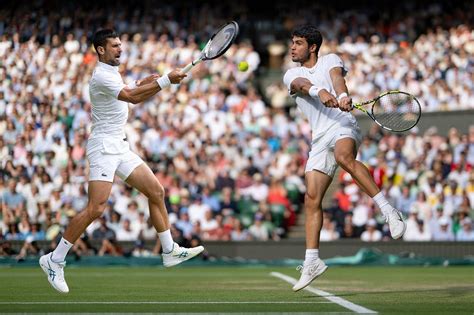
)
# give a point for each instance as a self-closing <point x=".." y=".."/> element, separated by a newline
<point x="133" y="84"/>
<point x="313" y="91"/>
<point x="163" y="81"/>
<point x="340" y="96"/>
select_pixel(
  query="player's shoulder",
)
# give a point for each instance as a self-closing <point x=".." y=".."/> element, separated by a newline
<point x="330" y="57"/>
<point x="293" y="70"/>
<point x="290" y="73"/>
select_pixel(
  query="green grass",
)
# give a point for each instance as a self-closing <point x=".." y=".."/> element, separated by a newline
<point x="387" y="290"/>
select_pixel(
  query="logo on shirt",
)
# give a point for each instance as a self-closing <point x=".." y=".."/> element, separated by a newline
<point x="105" y="175"/>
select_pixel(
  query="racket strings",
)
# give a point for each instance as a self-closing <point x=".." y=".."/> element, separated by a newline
<point x="397" y="111"/>
<point x="221" y="41"/>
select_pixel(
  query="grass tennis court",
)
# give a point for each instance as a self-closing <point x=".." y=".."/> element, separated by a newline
<point x="386" y="290"/>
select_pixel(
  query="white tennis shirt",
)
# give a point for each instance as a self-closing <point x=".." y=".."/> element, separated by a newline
<point x="320" y="117"/>
<point x="109" y="115"/>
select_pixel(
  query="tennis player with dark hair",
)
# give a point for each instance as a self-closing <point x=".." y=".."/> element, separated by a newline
<point x="319" y="87"/>
<point x="108" y="153"/>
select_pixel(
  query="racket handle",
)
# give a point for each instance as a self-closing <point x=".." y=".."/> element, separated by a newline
<point x="187" y="68"/>
<point x="190" y="66"/>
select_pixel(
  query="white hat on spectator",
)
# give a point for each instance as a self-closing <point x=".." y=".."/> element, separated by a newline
<point x="136" y="124"/>
<point x="466" y="221"/>
<point x="443" y="146"/>
<point x="414" y="130"/>
<point x="414" y="209"/>
<point x="354" y="198"/>
<point x="373" y="161"/>
<point x="443" y="221"/>
<point x="347" y="177"/>
<point x="390" y="155"/>
<point x="371" y="222"/>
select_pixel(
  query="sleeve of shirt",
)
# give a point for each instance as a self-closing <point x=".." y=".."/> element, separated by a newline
<point x="110" y="85"/>
<point x="287" y="79"/>
<point x="334" y="61"/>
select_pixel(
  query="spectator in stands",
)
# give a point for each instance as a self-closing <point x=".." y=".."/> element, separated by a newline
<point x="239" y="233"/>
<point x="466" y="233"/>
<point x="258" y="230"/>
<point x="444" y="232"/>
<point x="108" y="238"/>
<point x="371" y="234"/>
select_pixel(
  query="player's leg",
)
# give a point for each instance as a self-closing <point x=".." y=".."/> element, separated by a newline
<point x="143" y="179"/>
<point x="53" y="263"/>
<point x="316" y="185"/>
<point x="345" y="153"/>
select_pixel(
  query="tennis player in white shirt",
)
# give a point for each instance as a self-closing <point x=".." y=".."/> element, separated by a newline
<point x="109" y="153"/>
<point x="319" y="88"/>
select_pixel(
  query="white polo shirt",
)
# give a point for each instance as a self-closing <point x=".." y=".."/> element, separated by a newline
<point x="109" y="115"/>
<point x="320" y="117"/>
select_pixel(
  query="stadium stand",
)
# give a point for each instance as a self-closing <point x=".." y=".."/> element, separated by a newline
<point x="229" y="153"/>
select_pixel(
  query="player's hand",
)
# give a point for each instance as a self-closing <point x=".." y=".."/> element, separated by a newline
<point x="148" y="79"/>
<point x="345" y="104"/>
<point x="327" y="99"/>
<point x="176" y="76"/>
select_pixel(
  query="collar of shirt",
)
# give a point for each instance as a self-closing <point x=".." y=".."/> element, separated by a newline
<point x="107" y="67"/>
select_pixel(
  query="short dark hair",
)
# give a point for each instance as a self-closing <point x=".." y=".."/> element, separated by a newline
<point x="311" y="34"/>
<point x="100" y="37"/>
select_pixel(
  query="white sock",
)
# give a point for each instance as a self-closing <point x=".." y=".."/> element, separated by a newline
<point x="311" y="255"/>
<point x="59" y="254"/>
<point x="383" y="204"/>
<point x="166" y="241"/>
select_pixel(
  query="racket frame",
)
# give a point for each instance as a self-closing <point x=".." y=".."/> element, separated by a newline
<point x="360" y="106"/>
<point x="202" y="57"/>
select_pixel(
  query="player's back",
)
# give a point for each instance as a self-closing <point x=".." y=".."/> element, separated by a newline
<point x="109" y="115"/>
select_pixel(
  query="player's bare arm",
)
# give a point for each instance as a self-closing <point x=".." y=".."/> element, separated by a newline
<point x="148" y="87"/>
<point x="303" y="86"/>
<point x="148" y="79"/>
<point x="339" y="83"/>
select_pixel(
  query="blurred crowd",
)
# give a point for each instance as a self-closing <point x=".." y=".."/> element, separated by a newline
<point x="232" y="163"/>
<point x="438" y="67"/>
<point x="429" y="177"/>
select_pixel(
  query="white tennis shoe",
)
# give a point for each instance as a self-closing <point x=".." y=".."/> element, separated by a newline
<point x="396" y="224"/>
<point x="180" y="254"/>
<point x="55" y="273"/>
<point x="309" y="272"/>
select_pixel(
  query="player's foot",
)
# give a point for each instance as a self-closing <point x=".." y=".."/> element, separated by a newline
<point x="309" y="272"/>
<point x="55" y="273"/>
<point x="396" y="224"/>
<point x="180" y="254"/>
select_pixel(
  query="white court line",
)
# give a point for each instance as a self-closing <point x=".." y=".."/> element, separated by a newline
<point x="331" y="297"/>
<point x="158" y="302"/>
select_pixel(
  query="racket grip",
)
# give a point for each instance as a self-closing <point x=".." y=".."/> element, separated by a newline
<point x="187" y="68"/>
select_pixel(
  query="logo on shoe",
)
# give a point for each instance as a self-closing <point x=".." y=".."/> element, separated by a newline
<point x="51" y="272"/>
<point x="400" y="218"/>
<point x="181" y="255"/>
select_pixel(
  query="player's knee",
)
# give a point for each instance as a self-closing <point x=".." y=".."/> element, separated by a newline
<point x="312" y="201"/>
<point x="157" y="193"/>
<point x="345" y="160"/>
<point x="96" y="209"/>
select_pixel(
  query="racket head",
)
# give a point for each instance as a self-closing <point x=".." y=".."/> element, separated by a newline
<point x="220" y="41"/>
<point x="396" y="111"/>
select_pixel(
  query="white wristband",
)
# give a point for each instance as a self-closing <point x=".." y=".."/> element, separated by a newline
<point x="313" y="91"/>
<point x="132" y="85"/>
<point x="340" y="96"/>
<point x="163" y="81"/>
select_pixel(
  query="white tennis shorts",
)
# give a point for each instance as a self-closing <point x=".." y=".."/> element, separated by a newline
<point x="108" y="157"/>
<point x="321" y="157"/>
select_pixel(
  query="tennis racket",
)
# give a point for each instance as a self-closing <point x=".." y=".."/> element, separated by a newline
<point x="217" y="44"/>
<point x="393" y="110"/>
